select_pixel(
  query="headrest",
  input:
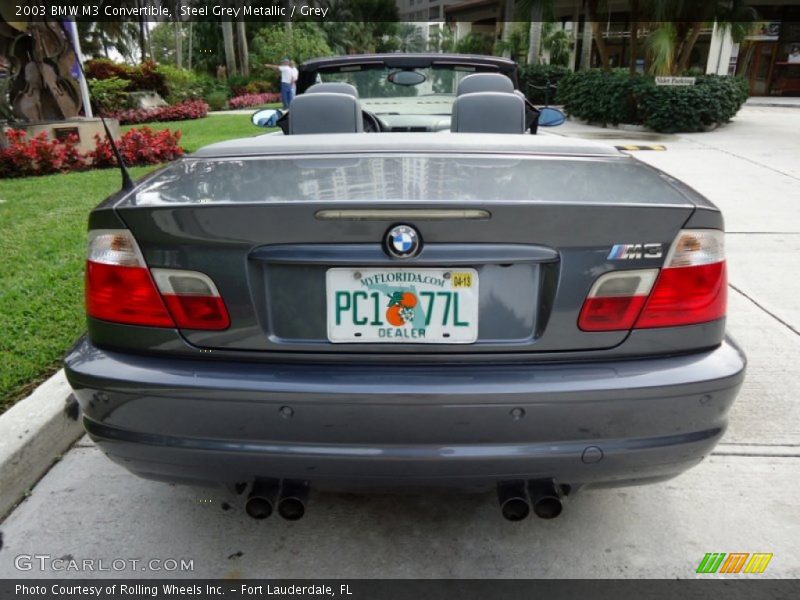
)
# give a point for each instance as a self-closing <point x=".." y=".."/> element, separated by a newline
<point x="488" y="112"/>
<point x="334" y="87"/>
<point x="322" y="112"/>
<point x="485" y="82"/>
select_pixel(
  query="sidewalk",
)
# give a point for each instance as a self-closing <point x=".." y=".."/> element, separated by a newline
<point x="775" y="101"/>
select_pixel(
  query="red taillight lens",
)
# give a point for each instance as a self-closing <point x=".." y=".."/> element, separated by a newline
<point x="198" y="312"/>
<point x="192" y="299"/>
<point x="690" y="289"/>
<point x="120" y="288"/>
<point x="610" y="314"/>
<point x="616" y="299"/>
<point x="687" y="295"/>
<point x="124" y="295"/>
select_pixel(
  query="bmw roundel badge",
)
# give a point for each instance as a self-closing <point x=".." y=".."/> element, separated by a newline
<point x="402" y="241"/>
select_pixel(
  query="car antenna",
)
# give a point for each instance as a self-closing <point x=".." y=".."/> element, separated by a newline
<point x="127" y="182"/>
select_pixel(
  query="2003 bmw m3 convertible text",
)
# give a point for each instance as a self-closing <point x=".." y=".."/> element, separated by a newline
<point x="406" y="287"/>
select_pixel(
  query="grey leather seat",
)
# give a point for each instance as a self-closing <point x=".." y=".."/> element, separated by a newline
<point x="333" y="87"/>
<point x="485" y="82"/>
<point x="488" y="112"/>
<point x="323" y="112"/>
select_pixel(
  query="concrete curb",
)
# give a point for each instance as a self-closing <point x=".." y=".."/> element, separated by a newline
<point x="33" y="433"/>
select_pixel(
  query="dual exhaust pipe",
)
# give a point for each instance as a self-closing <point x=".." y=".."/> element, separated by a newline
<point x="517" y="498"/>
<point x="289" y="497"/>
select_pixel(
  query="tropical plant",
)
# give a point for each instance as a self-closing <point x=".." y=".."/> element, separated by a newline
<point x="557" y="42"/>
<point x="410" y="38"/>
<point x="442" y="39"/>
<point x="515" y="45"/>
<point x="108" y="94"/>
<point x="676" y="26"/>
<point x="305" y="40"/>
<point x="475" y="43"/>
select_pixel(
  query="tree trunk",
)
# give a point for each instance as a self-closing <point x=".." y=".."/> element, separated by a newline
<point x="535" y="34"/>
<point x="505" y="34"/>
<point x="189" y="57"/>
<point x="686" y="49"/>
<point x="179" y="44"/>
<point x="244" y="58"/>
<point x="230" y="52"/>
<point x="586" y="46"/>
<point x="634" y="36"/>
<point x="597" y="32"/>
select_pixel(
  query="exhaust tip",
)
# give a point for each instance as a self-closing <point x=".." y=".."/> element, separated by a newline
<point x="258" y="508"/>
<point x="261" y="500"/>
<point x="548" y="508"/>
<point x="515" y="509"/>
<point x="291" y="509"/>
<point x="546" y="498"/>
<point x="292" y="500"/>
<point x="513" y="498"/>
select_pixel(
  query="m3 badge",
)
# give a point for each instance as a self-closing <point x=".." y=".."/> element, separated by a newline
<point x="636" y="251"/>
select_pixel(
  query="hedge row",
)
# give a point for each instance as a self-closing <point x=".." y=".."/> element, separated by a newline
<point x="614" y="97"/>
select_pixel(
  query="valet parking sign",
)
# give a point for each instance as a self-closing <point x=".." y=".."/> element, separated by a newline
<point x="676" y="81"/>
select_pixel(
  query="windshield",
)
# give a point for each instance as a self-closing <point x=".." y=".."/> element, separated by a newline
<point x="393" y="91"/>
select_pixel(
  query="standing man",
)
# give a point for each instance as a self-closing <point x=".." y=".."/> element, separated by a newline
<point x="295" y="75"/>
<point x="287" y="75"/>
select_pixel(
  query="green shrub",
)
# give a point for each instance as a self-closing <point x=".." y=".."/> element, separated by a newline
<point x="534" y="78"/>
<point x="616" y="97"/>
<point x="108" y="94"/>
<point x="601" y="96"/>
<point x="181" y="84"/>
<point x="216" y="100"/>
<point x="713" y="100"/>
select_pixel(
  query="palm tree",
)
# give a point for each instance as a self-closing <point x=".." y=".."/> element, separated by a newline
<point x="410" y="38"/>
<point x="244" y="56"/>
<point x="230" y="53"/>
<point x="677" y="25"/>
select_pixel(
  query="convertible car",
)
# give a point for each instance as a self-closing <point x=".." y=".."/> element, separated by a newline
<point x="403" y="288"/>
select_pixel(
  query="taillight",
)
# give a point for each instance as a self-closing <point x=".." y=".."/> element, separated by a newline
<point x="120" y="288"/>
<point x="192" y="299"/>
<point x="693" y="285"/>
<point x="691" y="288"/>
<point x="616" y="299"/>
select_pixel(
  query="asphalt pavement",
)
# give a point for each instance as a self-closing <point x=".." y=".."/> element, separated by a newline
<point x="740" y="499"/>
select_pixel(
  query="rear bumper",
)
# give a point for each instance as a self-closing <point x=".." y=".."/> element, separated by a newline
<point x="348" y="425"/>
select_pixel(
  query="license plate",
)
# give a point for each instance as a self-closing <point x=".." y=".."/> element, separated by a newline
<point x="408" y="306"/>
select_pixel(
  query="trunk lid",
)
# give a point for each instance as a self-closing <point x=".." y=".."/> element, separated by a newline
<point x="535" y="229"/>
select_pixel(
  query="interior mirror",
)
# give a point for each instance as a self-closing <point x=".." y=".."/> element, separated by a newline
<point x="267" y="117"/>
<point x="551" y="117"/>
<point x="406" y="77"/>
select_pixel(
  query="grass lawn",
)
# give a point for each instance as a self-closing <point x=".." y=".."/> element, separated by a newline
<point x="42" y="253"/>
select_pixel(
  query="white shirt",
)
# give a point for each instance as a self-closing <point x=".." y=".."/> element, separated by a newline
<point x="295" y="74"/>
<point x="287" y="73"/>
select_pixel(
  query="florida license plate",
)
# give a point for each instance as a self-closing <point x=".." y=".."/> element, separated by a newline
<point x="409" y="306"/>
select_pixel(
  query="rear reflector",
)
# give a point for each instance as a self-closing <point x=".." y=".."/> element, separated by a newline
<point x="691" y="288"/>
<point x="616" y="299"/>
<point x="120" y="288"/>
<point x="192" y="299"/>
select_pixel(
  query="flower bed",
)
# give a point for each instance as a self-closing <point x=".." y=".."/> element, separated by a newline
<point x="248" y="100"/>
<point x="40" y="156"/>
<point x="190" y="109"/>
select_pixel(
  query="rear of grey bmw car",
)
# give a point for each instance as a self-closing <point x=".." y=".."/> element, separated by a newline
<point x="531" y="313"/>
